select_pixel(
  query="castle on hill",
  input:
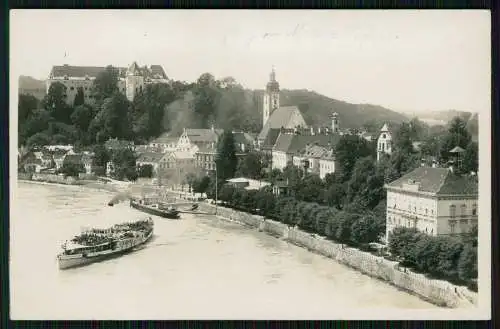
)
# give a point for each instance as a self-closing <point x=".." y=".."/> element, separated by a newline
<point x="131" y="80"/>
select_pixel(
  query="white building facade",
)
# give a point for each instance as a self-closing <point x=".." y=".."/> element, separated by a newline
<point x="435" y="201"/>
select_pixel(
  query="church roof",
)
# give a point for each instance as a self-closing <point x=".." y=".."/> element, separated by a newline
<point x="133" y="69"/>
<point x="280" y="118"/>
<point x="438" y="181"/>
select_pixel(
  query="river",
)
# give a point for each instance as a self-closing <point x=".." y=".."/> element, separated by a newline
<point x="198" y="267"/>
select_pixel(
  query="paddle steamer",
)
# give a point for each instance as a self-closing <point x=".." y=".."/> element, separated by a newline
<point x="98" y="244"/>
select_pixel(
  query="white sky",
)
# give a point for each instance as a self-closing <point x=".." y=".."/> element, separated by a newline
<point x="403" y="60"/>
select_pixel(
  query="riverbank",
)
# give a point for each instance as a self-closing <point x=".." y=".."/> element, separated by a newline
<point x="438" y="292"/>
<point x="95" y="184"/>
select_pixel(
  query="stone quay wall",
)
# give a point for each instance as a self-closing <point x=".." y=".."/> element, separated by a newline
<point x="438" y="292"/>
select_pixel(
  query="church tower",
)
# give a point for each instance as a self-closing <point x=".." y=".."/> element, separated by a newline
<point x="335" y="122"/>
<point x="271" y="97"/>
<point x="134" y="81"/>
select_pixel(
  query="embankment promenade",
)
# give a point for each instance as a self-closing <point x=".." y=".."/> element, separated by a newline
<point x="52" y="179"/>
<point x="438" y="292"/>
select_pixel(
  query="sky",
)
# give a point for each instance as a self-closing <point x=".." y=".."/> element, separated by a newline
<point x="404" y="60"/>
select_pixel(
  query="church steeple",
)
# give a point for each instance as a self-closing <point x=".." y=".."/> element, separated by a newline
<point x="271" y="97"/>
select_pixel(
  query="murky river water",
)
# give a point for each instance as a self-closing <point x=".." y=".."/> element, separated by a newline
<point x="198" y="267"/>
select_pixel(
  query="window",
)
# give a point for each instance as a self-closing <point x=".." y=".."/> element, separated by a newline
<point x="383" y="136"/>
<point x="474" y="209"/>
<point x="453" y="210"/>
<point x="452" y="224"/>
<point x="426" y="211"/>
<point x="383" y="147"/>
<point x="463" y="210"/>
<point x="72" y="88"/>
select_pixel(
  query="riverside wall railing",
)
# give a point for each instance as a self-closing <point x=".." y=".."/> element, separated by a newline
<point x="438" y="292"/>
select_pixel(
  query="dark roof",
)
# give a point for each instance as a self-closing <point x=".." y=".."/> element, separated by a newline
<point x="280" y="118"/>
<point x="150" y="157"/>
<point x="438" y="181"/>
<point x="314" y="151"/>
<point x="154" y="72"/>
<point x="271" y="138"/>
<point x="81" y="71"/>
<point x="73" y="158"/>
<point x="203" y="135"/>
<point x="117" y="143"/>
<point x="292" y="143"/>
<point x="165" y="138"/>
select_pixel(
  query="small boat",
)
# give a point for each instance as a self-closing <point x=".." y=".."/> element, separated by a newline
<point x="95" y="245"/>
<point x="156" y="209"/>
<point x="111" y="204"/>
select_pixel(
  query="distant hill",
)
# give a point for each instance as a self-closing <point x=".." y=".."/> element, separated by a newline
<point x="441" y="117"/>
<point x="242" y="109"/>
<point x="29" y="85"/>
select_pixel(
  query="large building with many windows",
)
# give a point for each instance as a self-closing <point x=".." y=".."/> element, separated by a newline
<point x="131" y="80"/>
<point x="436" y="201"/>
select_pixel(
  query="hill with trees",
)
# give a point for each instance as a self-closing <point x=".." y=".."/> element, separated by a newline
<point x="32" y="86"/>
<point x="170" y="107"/>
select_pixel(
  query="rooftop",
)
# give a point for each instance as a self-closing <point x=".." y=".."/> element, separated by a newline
<point x="439" y="181"/>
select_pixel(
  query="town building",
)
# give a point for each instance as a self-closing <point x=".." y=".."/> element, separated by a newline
<point x="88" y="163"/>
<point x="436" y="201"/>
<point x="192" y="139"/>
<point x="290" y="143"/>
<point x="384" y="141"/>
<point x="164" y="143"/>
<point x="275" y="116"/>
<point x="130" y="81"/>
<point x="150" y="158"/>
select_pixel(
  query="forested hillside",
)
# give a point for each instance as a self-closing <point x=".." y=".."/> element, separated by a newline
<point x="170" y="108"/>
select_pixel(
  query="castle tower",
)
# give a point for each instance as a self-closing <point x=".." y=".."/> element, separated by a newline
<point x="271" y="97"/>
<point x="134" y="81"/>
<point x="335" y="123"/>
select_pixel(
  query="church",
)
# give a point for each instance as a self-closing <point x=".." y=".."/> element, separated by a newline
<point x="276" y="117"/>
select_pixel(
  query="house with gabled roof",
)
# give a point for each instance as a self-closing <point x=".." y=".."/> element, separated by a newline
<point x="192" y="139"/>
<point x="289" y="144"/>
<point x="435" y="201"/>
<point x="150" y="158"/>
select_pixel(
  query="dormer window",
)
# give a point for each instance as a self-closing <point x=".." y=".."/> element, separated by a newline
<point x="66" y="77"/>
<point x="87" y="77"/>
<point x="383" y="136"/>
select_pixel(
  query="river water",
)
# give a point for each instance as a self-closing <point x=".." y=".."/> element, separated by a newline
<point x="198" y="267"/>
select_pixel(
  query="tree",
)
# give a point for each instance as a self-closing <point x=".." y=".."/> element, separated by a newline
<point x="201" y="185"/>
<point x="403" y="139"/>
<point x="145" y="171"/>
<point x="471" y="159"/>
<point x="367" y="228"/>
<point x="72" y="169"/>
<point x="25" y="107"/>
<point x="124" y="161"/>
<point x="250" y="166"/>
<point x="205" y="98"/>
<point x="106" y="82"/>
<point x="79" y="97"/>
<point x="457" y="135"/>
<point x="38" y="139"/>
<point x="349" y="149"/>
<point x="226" y="160"/>
<point x="81" y="118"/>
<point x="55" y="103"/>
<point x="365" y="188"/>
<point x="115" y="117"/>
<point x="467" y="264"/>
<point x="311" y="189"/>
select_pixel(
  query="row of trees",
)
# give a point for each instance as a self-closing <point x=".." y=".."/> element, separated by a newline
<point x="349" y="226"/>
<point x="446" y="257"/>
